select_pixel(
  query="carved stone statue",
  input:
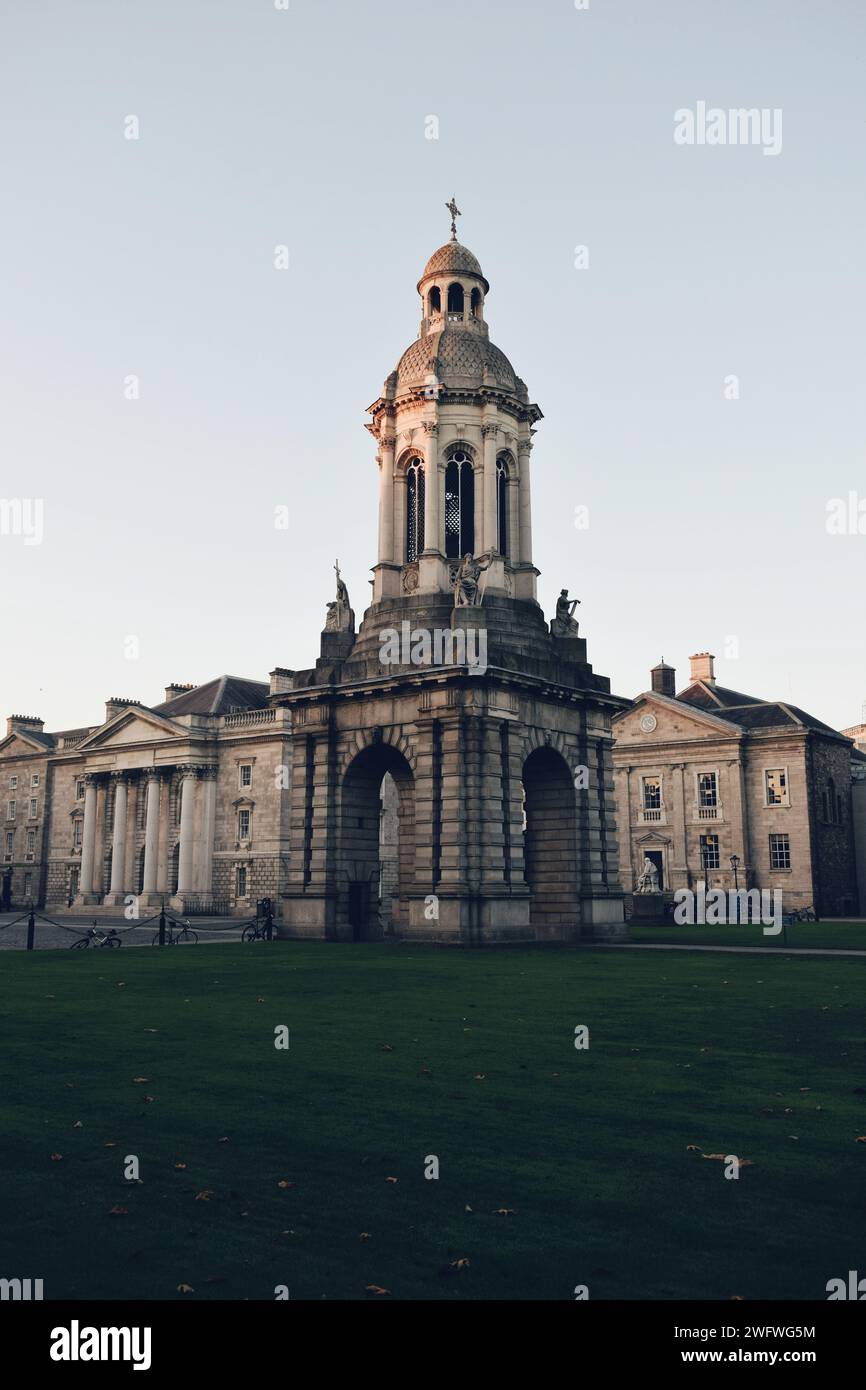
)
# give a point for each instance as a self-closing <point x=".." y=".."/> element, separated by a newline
<point x="466" y="587"/>
<point x="649" y="878"/>
<point x="565" y="624"/>
<point x="340" y="617"/>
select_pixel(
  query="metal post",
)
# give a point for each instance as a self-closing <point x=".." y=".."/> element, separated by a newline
<point x="162" y="926"/>
<point x="31" y="929"/>
<point x="269" y="920"/>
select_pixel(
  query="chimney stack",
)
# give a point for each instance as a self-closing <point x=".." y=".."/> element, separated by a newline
<point x="115" y="704"/>
<point x="664" y="679"/>
<point x="172" y="691"/>
<point x="702" y="668"/>
<point x="24" y="721"/>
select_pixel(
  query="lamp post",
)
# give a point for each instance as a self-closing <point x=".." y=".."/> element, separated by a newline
<point x="735" y="864"/>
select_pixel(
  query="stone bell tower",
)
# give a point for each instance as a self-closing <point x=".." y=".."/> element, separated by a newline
<point x="454" y="425"/>
<point x="486" y="725"/>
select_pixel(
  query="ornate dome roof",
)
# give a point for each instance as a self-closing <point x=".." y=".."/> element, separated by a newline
<point x="452" y="257"/>
<point x="456" y="358"/>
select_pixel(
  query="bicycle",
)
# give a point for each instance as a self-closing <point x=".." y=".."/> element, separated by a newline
<point x="96" y="937"/>
<point x="182" y="932"/>
<point x="255" y="931"/>
<point x="804" y="914"/>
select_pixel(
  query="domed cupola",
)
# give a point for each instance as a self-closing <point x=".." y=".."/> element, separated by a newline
<point x="454" y="425"/>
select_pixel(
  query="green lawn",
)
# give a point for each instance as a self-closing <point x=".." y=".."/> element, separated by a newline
<point x="827" y="936"/>
<point x="586" y="1149"/>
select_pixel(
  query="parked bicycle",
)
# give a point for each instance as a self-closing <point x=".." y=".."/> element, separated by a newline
<point x="804" y="914"/>
<point x="255" y="931"/>
<point x="179" y="934"/>
<point x="96" y="937"/>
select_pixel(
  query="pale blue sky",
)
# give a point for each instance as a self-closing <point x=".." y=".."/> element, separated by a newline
<point x="260" y="127"/>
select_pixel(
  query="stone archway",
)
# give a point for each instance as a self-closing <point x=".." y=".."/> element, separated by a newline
<point x="550" y="846"/>
<point x="376" y="853"/>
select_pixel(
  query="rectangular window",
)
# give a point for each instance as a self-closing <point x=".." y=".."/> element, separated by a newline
<point x="776" y="784"/>
<point x="246" y="775"/>
<point x="243" y="825"/>
<point x="10" y="841"/>
<point x="79" y="789"/>
<point x="34" y="779"/>
<point x="652" y="793"/>
<point x="10" y="810"/>
<point x="780" y="852"/>
<point x="242" y="882"/>
<point x="13" y="784"/>
<point x="77" y="827"/>
<point x="709" y="851"/>
<point x="707" y="789"/>
<point x="34" y="808"/>
<point x="28" y="885"/>
<point x="31" y="841"/>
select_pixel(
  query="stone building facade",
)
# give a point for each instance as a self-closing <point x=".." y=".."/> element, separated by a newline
<point x="712" y="773"/>
<point x="444" y="773"/>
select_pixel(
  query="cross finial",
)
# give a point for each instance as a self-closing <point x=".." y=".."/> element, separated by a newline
<point x="455" y="213"/>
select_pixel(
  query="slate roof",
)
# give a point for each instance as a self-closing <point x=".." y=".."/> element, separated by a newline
<point x="748" y="711"/>
<point x="222" y="695"/>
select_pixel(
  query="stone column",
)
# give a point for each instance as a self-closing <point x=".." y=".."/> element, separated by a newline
<point x="118" y="841"/>
<point x="386" y="501"/>
<point x="88" y="843"/>
<point x="185" y="870"/>
<point x="524" y="446"/>
<point x="208" y="819"/>
<point x="431" y="487"/>
<point x="151" y="835"/>
<point x="489" y="529"/>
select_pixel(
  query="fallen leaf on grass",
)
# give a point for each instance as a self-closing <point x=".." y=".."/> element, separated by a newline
<point x="861" y="1139"/>
<point x="364" y="1235"/>
<point x="204" y="1196"/>
<point x="179" y="1166"/>
<point x="140" y="1080"/>
<point x="454" y="1267"/>
<point x="185" y="1288"/>
<point x="78" y="1125"/>
<point x="376" y="1291"/>
<point x="693" y="1148"/>
<point x="504" y="1211"/>
<point x="284" y="1182"/>
<point x="119" y="1211"/>
<point x="55" y="1158"/>
<point x="392" y="1179"/>
<point x="149" y="1100"/>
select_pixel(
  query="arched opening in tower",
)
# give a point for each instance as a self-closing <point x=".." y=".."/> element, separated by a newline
<point x="459" y="505"/>
<point x="455" y="299"/>
<point x="434" y="300"/>
<point x="377" y="845"/>
<point x="475" y="303"/>
<point x="550" y="846"/>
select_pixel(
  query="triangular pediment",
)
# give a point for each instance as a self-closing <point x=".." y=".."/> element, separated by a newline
<point x="132" y="726"/>
<point x="18" y="745"/>
<point x="674" y="720"/>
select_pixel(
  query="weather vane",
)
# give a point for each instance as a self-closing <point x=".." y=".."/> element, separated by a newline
<point x="455" y="213"/>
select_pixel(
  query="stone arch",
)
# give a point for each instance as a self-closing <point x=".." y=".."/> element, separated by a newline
<point x="368" y="898"/>
<point x="551" y="843"/>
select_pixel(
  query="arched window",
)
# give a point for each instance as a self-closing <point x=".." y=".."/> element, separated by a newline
<point x="434" y="301"/>
<point x="459" y="505"/>
<point x="414" y="510"/>
<point x="502" y="505"/>
<point x="475" y="302"/>
<point x="455" y="299"/>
